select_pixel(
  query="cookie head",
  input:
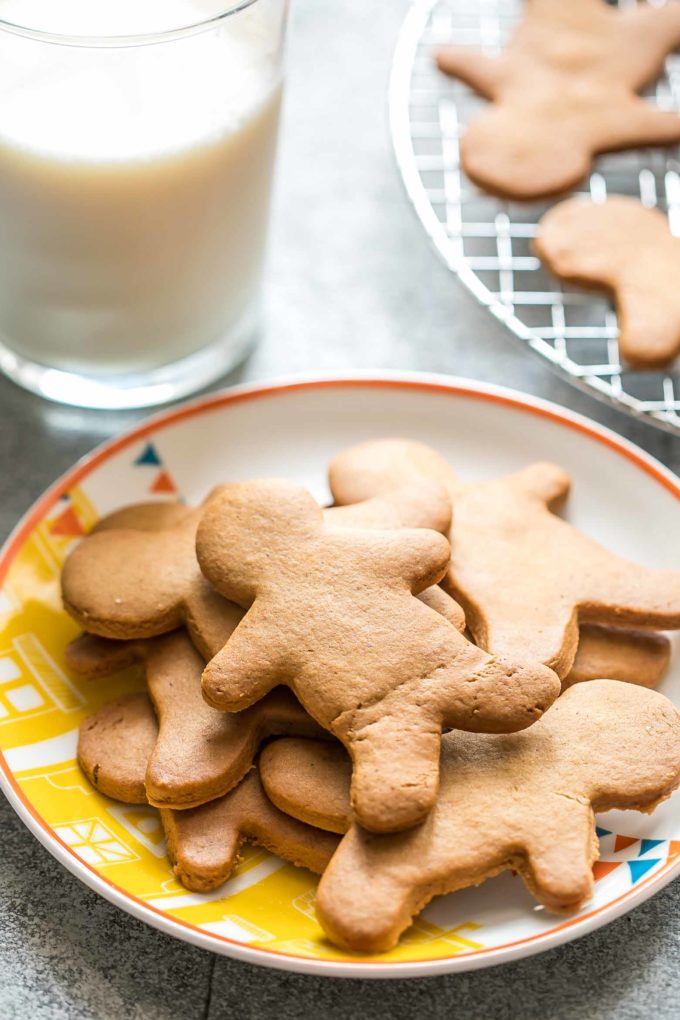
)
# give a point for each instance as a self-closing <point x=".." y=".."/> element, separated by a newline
<point x="260" y="523"/>
<point x="127" y="583"/>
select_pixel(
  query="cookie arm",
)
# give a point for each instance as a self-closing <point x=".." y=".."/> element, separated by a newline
<point x="634" y="121"/>
<point x="203" y="843"/>
<point x="476" y="69"/>
<point x="251" y="663"/>
<point x="94" y="657"/>
<point x="544" y="481"/>
<point x="418" y="557"/>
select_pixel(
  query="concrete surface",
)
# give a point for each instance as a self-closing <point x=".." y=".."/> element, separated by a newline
<point x="352" y="283"/>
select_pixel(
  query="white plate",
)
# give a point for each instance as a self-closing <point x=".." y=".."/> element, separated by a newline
<point x="265" y="913"/>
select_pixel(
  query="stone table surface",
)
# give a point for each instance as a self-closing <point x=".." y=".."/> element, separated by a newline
<point x="352" y="284"/>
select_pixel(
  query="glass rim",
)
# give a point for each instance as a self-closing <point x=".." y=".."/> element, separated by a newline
<point x="125" y="39"/>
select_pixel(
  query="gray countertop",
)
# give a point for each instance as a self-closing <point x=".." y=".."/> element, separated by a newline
<point x="352" y="284"/>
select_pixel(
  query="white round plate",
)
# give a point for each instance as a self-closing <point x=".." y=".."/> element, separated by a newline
<point x="265" y="913"/>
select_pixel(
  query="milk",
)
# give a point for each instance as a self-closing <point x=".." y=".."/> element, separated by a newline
<point x="134" y="187"/>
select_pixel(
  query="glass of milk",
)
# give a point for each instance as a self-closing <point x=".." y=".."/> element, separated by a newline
<point x="137" y="142"/>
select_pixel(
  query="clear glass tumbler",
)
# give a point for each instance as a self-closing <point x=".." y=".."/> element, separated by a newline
<point x="137" y="142"/>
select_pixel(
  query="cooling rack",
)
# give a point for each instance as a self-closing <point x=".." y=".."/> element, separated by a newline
<point x="486" y="241"/>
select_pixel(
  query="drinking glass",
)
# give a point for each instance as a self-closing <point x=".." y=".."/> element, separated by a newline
<point x="137" y="143"/>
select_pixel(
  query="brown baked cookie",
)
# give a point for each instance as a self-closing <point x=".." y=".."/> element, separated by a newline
<point x="524" y="577"/>
<point x="136" y="575"/>
<point x="563" y="90"/>
<point x="114" y="747"/>
<point x="309" y="780"/>
<point x="152" y="516"/>
<point x="524" y="801"/>
<point x="618" y="653"/>
<point x="626" y="249"/>
<point x="133" y="578"/>
<point x="204" y="842"/>
<point x="330" y="614"/>
<point x="426" y="505"/>
<point x="199" y="753"/>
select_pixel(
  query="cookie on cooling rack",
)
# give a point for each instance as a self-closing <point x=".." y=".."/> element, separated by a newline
<point x="626" y="249"/>
<point x="563" y="90"/>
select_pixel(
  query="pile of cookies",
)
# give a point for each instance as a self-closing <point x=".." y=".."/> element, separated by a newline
<point x="565" y="89"/>
<point x="407" y="692"/>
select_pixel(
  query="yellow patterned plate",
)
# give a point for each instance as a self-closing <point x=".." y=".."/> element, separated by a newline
<point x="265" y="913"/>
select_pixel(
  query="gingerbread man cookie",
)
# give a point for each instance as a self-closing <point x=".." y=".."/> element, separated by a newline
<point x="622" y="247"/>
<point x="136" y="576"/>
<point x="203" y="843"/>
<point x="114" y="747"/>
<point x="330" y="613"/>
<point x="199" y="753"/>
<point x="524" y="577"/>
<point x="525" y="801"/>
<point x="563" y="90"/>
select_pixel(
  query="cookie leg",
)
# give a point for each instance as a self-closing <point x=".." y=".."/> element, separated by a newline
<point x="360" y="904"/>
<point x="649" y="335"/>
<point x="395" y="774"/>
<point x="636" y="122"/>
<point x="560" y="856"/>
<point x="521" y="635"/>
<point x="203" y="844"/>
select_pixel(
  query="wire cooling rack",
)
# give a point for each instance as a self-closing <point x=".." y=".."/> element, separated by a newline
<point x="486" y="241"/>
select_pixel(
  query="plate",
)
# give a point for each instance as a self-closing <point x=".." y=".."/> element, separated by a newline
<point x="265" y="913"/>
<point x="486" y="241"/>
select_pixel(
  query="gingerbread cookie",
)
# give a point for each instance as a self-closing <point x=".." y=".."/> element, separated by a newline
<point x="563" y="90"/>
<point x="199" y="753"/>
<point x="624" y="248"/>
<point x="618" y="653"/>
<point x="152" y="516"/>
<point x="136" y="576"/>
<point x="330" y="613"/>
<point x="524" y="577"/>
<point x="114" y="747"/>
<point x="141" y="579"/>
<point x="524" y="801"/>
<point x="203" y="843"/>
